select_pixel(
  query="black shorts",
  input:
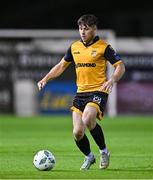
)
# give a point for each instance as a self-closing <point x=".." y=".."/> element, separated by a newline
<point x="97" y="99"/>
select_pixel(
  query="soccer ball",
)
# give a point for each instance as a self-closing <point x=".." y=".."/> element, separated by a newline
<point x="44" y="160"/>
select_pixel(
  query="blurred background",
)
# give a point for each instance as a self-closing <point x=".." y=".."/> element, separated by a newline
<point x="34" y="36"/>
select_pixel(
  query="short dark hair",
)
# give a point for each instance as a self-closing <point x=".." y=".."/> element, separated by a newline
<point x="88" y="19"/>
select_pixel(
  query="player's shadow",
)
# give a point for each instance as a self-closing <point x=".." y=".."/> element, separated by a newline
<point x="62" y="170"/>
<point x="138" y="169"/>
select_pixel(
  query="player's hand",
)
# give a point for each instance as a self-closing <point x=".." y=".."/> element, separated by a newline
<point x="41" y="84"/>
<point x="107" y="86"/>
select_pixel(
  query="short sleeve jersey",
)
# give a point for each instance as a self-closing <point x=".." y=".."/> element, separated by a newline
<point x="90" y="63"/>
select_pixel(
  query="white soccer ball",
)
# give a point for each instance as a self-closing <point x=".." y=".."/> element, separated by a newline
<point x="44" y="160"/>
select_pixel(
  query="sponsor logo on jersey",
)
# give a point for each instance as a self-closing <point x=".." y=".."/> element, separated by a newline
<point x="85" y="65"/>
<point x="76" y="52"/>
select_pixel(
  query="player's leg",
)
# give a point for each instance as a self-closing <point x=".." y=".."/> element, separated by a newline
<point x="79" y="135"/>
<point x="82" y="141"/>
<point x="89" y="119"/>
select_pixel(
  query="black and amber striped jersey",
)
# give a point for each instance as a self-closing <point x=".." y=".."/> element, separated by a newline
<point x="90" y="63"/>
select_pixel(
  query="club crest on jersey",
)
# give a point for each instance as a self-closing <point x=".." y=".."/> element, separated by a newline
<point x="96" y="99"/>
<point x="93" y="53"/>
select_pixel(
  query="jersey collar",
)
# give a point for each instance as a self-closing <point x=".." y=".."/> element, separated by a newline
<point x="94" y="40"/>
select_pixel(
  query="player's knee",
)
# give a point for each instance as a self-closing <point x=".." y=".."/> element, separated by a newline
<point x="89" y="120"/>
<point x="78" y="133"/>
<point x="89" y="123"/>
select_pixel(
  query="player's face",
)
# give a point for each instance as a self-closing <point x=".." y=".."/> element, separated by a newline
<point x="87" y="33"/>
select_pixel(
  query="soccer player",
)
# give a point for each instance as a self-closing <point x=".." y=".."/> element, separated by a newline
<point x="90" y="55"/>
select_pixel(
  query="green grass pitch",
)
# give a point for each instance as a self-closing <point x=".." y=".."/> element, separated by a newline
<point x="129" y="139"/>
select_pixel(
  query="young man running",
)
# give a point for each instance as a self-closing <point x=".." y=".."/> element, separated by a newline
<point x="90" y="55"/>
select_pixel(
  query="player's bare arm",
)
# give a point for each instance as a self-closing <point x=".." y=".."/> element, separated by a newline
<point x="56" y="71"/>
<point x="116" y="76"/>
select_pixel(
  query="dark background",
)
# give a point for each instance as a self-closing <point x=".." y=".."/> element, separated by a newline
<point x="127" y="18"/>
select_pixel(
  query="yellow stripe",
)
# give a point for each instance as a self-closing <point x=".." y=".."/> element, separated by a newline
<point x="118" y="62"/>
<point x="76" y="110"/>
<point x="100" y="114"/>
<point x="94" y="105"/>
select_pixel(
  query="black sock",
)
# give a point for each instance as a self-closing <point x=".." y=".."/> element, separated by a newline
<point x="98" y="136"/>
<point x="84" y="145"/>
